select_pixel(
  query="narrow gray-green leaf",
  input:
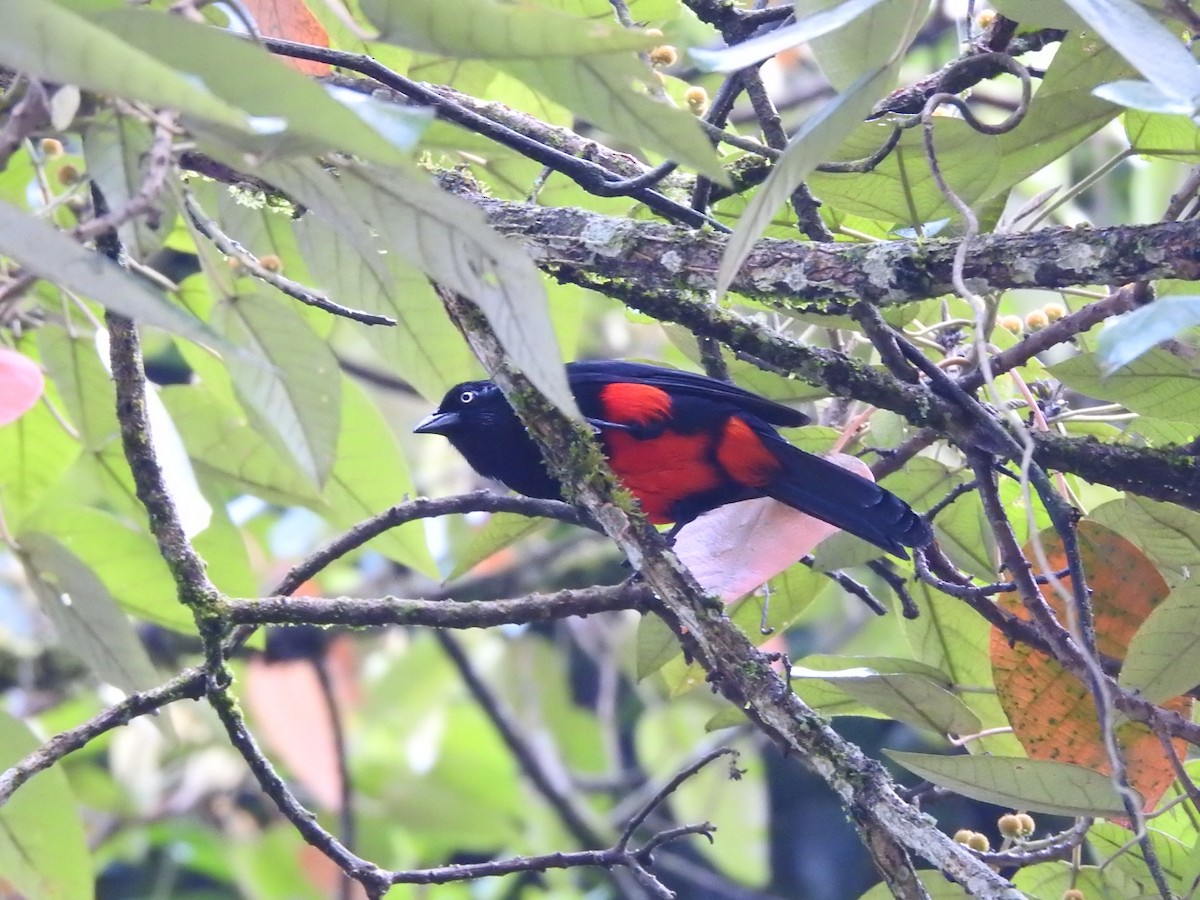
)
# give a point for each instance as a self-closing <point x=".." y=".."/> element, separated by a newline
<point x="88" y="620"/>
<point x="1134" y="94"/>
<point x="1153" y="50"/>
<point x="1157" y="383"/>
<point x="447" y="239"/>
<point x="1037" y="785"/>
<point x="813" y="143"/>
<point x="1137" y="331"/>
<point x="871" y="39"/>
<point x="915" y="698"/>
<point x="767" y="45"/>
<point x="44" y="40"/>
<point x="289" y="377"/>
<point x="1167" y="533"/>
<point x="500" y="531"/>
<point x="1164" y="656"/>
<point x="43" y="846"/>
<point x="50" y="254"/>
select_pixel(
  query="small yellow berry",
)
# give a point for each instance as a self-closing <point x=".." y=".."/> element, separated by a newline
<point x="1073" y="894"/>
<point x="986" y="18"/>
<point x="696" y="98"/>
<point x="963" y="835"/>
<point x="51" y="147"/>
<point x="68" y="175"/>
<point x="1028" y="826"/>
<point x="1011" y="323"/>
<point x="271" y="262"/>
<point x="979" y="842"/>
<point x="1054" y="311"/>
<point x="654" y="32"/>
<point x="663" y="56"/>
<point x="1009" y="825"/>
<point x="1036" y="320"/>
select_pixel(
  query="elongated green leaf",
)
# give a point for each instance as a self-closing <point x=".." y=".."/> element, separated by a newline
<point x="49" y="42"/>
<point x="915" y="697"/>
<point x="1053" y="879"/>
<point x="1174" y="137"/>
<point x="449" y="241"/>
<point x="868" y="40"/>
<point x="949" y="636"/>
<point x="1127" y="863"/>
<point x="1159" y="55"/>
<point x="50" y="254"/>
<point x="223" y="444"/>
<point x="815" y="142"/>
<point x="767" y="45"/>
<point x="1137" y="331"/>
<point x="88" y="620"/>
<point x="245" y="75"/>
<point x="1157" y="383"/>
<point x="501" y="530"/>
<point x="586" y="65"/>
<point x="290" y="378"/>
<point x="117" y="148"/>
<point x="424" y="348"/>
<point x="1144" y="96"/>
<point x="43" y="847"/>
<point x="657" y="645"/>
<point x="1163" y="659"/>
<point x="369" y="476"/>
<point x="1037" y="785"/>
<point x="1168" y="534"/>
<point x="86" y="389"/>
<point x="126" y="560"/>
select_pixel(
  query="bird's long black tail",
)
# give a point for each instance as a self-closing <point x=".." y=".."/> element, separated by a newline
<point x="849" y="501"/>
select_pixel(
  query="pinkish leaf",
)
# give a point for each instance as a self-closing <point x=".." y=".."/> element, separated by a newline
<point x="21" y="385"/>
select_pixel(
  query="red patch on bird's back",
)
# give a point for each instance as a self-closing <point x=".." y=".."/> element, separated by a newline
<point x="662" y="470"/>
<point x="744" y="456"/>
<point x="635" y="404"/>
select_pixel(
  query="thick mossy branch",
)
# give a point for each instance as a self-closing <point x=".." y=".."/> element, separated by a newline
<point x="807" y="277"/>
<point x="891" y="828"/>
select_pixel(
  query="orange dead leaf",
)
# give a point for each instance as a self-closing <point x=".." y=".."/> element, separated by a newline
<point x="1051" y="712"/>
<point x="293" y="21"/>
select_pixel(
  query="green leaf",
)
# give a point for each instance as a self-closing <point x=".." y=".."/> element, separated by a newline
<point x="84" y="385"/>
<point x="424" y="348"/>
<point x="117" y="150"/>
<point x="873" y="38"/>
<point x="306" y="118"/>
<point x="1174" y="137"/>
<point x="657" y="645"/>
<point x="88" y="620"/>
<point x="1167" y="533"/>
<point x="1127" y="864"/>
<point x="951" y="637"/>
<point x="1051" y="879"/>
<point x="1134" y="33"/>
<point x="288" y="376"/>
<point x="125" y="559"/>
<point x="1037" y="785"/>
<point x="903" y="690"/>
<point x="815" y="142"/>
<point x="933" y="880"/>
<point x="1163" y="661"/>
<point x="801" y="31"/>
<point x="43" y="846"/>
<point x="589" y="66"/>
<point x="448" y="239"/>
<point x="50" y="254"/>
<point x="369" y="476"/>
<point x="46" y="41"/>
<point x="901" y="189"/>
<point x="1157" y="383"/>
<point x="222" y="443"/>
<point x="1139" y="330"/>
<point x="500" y="531"/>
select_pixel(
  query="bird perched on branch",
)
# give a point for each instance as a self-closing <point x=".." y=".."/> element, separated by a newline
<point x="683" y="444"/>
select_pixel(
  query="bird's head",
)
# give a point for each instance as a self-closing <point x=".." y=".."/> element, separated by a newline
<point x="470" y="405"/>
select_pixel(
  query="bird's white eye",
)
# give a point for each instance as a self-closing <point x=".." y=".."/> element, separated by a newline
<point x="466" y="396"/>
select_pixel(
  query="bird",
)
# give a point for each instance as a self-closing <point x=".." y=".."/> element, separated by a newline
<point x="683" y="444"/>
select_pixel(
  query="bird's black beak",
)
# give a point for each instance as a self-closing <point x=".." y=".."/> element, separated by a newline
<point x="438" y="423"/>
